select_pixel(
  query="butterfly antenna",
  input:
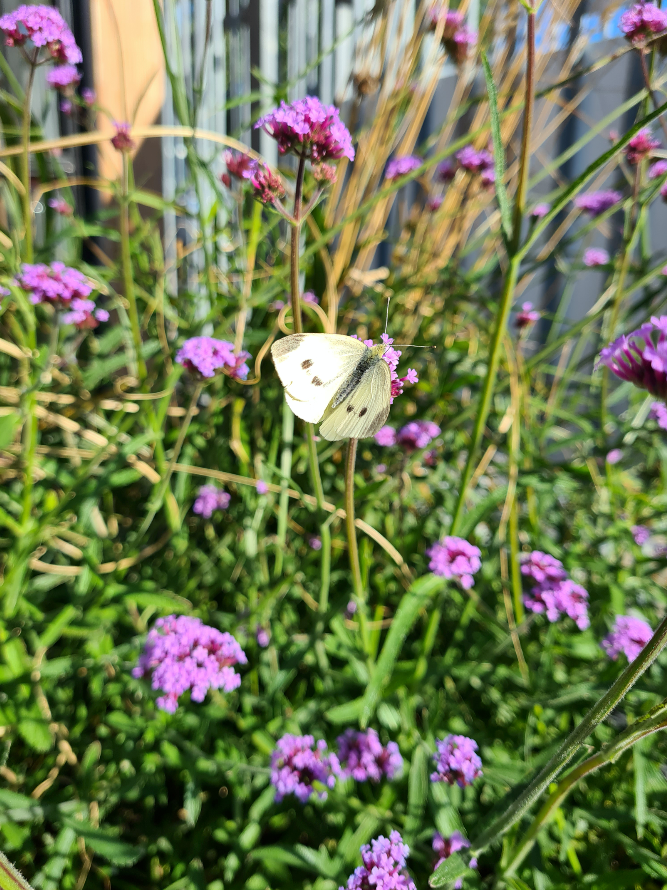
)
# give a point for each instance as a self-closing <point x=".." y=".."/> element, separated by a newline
<point x="386" y="321"/>
<point x="411" y="346"/>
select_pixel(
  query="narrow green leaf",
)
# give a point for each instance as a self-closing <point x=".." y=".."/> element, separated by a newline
<point x="449" y="871"/>
<point x="498" y="150"/>
<point x="54" y="630"/>
<point x="640" y="787"/>
<point x="413" y="600"/>
<point x="107" y="846"/>
<point x="480" y="510"/>
<point x="36" y="733"/>
<point x="10" y="878"/>
<point x="417" y="790"/>
<point x="8" y="424"/>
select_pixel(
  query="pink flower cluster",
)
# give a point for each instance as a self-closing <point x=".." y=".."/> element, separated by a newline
<point x="540" y="210"/>
<point x="63" y="77"/>
<point x="527" y="317"/>
<point x="596" y="203"/>
<point x="596" y="256"/>
<point x="635" y="357"/>
<point x="363" y="757"/>
<point x="209" y="499"/>
<point x="182" y="653"/>
<point x="392" y="356"/>
<point x="44" y="26"/>
<point x="554" y="593"/>
<point x="479" y="162"/>
<point x="57" y="284"/>
<point x="641" y="146"/>
<point x="384" y="862"/>
<point x="413" y="436"/>
<point x="205" y="356"/>
<point x="401" y="166"/>
<point x="444" y="847"/>
<point x="658" y="169"/>
<point x="298" y="762"/>
<point x="121" y="140"/>
<point x="61" y="206"/>
<point x="659" y="414"/>
<point x="457" y="37"/>
<point x="629" y="635"/>
<point x="455" y="558"/>
<point x="641" y="534"/>
<point x="642" y="21"/>
<point x="309" y="129"/>
<point x="268" y="185"/>
<point x="239" y="165"/>
<point x="84" y="315"/>
<point x="456" y="761"/>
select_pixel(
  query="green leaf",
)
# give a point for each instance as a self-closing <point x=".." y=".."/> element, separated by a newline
<point x="498" y="150"/>
<point x="417" y="790"/>
<point x="10" y="878"/>
<point x="165" y="601"/>
<point x="8" y="423"/>
<point x="345" y="713"/>
<point x="123" y="723"/>
<point x="36" y="733"/>
<point x="112" y="849"/>
<point x="412" y="602"/>
<point x="479" y="511"/>
<point x="55" y="628"/>
<point x="449" y="871"/>
<point x="640" y="787"/>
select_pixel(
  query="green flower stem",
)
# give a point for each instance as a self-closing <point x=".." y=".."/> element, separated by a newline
<point x="507" y="296"/>
<point x="574" y="741"/>
<point x="654" y="721"/>
<point x="352" y="548"/>
<point x="294" y="254"/>
<point x="25" y="160"/>
<point x="156" y="502"/>
<point x="126" y="264"/>
<point x="285" y="474"/>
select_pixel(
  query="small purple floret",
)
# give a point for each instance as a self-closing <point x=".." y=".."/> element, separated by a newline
<point x="641" y="534"/>
<point x="384" y="862"/>
<point x="629" y="636"/>
<point x="596" y="203"/>
<point x="417" y="434"/>
<point x="444" y="847"/>
<point x="183" y="653"/>
<point x="363" y="757"/>
<point x="209" y="499"/>
<point x="205" y="356"/>
<point x="455" y="558"/>
<point x="58" y="284"/>
<point x="456" y="761"/>
<point x="639" y="359"/>
<point x="398" y="167"/>
<point x="297" y="762"/>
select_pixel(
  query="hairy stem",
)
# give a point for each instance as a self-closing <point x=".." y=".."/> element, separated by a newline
<point x="25" y="160"/>
<point x="126" y="264"/>
<point x="653" y="722"/>
<point x="574" y="741"/>
<point x="524" y="161"/>
<point x="294" y="254"/>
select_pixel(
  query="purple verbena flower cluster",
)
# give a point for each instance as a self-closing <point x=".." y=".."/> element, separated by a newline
<point x="182" y="653"/>
<point x="239" y="165"/>
<point x="595" y="256"/>
<point x="659" y="414"/>
<point x="445" y="171"/>
<point x="61" y="206"/>
<point x="268" y="185"/>
<point x="297" y="762"/>
<point x="392" y="356"/>
<point x="637" y="358"/>
<point x="641" y="534"/>
<point x="384" y="862"/>
<point x="614" y="456"/>
<point x="456" y="761"/>
<point x="629" y="636"/>
<point x="596" y="203"/>
<point x="444" y="847"/>
<point x="554" y="593"/>
<point x="63" y="77"/>
<point x="401" y="166"/>
<point x="57" y="284"/>
<point x="527" y="317"/>
<point x="478" y="162"/>
<point x="206" y="355"/>
<point x="457" y="37"/>
<point x="455" y="558"/>
<point x="363" y="757"/>
<point x="84" y="315"/>
<point x="642" y="21"/>
<point x="540" y="210"/>
<point x="44" y="26"/>
<point x="310" y="129"/>
<point x="121" y="140"/>
<point x="209" y="499"/>
<point x="413" y="436"/>
<point x="658" y="169"/>
<point x="641" y="146"/>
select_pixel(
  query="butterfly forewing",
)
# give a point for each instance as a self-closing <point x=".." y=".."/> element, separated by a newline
<point x="312" y="368"/>
<point x="364" y="410"/>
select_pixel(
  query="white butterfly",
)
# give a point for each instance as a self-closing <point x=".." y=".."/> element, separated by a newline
<point x="337" y="380"/>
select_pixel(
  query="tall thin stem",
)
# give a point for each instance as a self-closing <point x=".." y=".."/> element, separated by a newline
<point x="25" y="160"/>
<point x="509" y="286"/>
<point x="574" y="741"/>
<point x="352" y="548"/>
<point x="294" y="253"/>
<point x="126" y="264"/>
<point x="649" y="88"/>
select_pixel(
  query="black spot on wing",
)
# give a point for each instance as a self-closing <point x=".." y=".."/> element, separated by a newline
<point x="286" y="345"/>
<point x="351" y="408"/>
<point x="306" y="363"/>
<point x="362" y="412"/>
<point x="316" y="381"/>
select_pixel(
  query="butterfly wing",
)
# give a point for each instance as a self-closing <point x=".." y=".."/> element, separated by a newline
<point x="312" y="367"/>
<point x="364" y="410"/>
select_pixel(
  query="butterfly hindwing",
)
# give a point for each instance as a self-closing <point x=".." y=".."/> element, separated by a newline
<point x="364" y="410"/>
<point x="312" y="368"/>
